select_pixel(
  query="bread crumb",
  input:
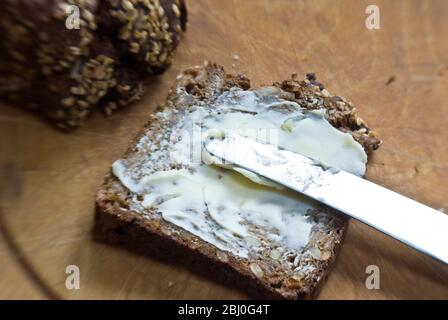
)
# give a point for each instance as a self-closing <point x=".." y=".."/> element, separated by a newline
<point x="236" y="57"/>
<point x="391" y="79"/>
<point x="422" y="168"/>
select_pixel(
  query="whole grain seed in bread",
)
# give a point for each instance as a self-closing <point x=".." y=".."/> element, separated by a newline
<point x="164" y="200"/>
<point x="64" y="73"/>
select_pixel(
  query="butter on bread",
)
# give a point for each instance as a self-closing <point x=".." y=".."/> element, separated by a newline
<point x="162" y="199"/>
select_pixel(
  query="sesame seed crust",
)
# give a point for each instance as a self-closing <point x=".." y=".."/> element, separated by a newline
<point x="341" y="113"/>
<point x="64" y="73"/>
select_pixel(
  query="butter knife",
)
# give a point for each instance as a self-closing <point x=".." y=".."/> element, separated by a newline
<point x="412" y="223"/>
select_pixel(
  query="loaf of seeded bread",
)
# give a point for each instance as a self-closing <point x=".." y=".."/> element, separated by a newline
<point x="49" y="65"/>
<point x="121" y="220"/>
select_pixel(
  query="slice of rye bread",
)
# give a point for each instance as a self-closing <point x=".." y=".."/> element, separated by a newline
<point x="119" y="220"/>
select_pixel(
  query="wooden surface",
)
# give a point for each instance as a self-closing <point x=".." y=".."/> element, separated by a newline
<point x="48" y="179"/>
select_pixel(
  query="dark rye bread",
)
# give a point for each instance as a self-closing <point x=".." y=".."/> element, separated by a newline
<point x="117" y="220"/>
<point x="64" y="73"/>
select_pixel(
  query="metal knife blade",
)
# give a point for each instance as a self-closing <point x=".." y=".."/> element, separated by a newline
<point x="413" y="223"/>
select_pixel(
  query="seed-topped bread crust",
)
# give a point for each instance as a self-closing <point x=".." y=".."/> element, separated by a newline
<point x="120" y="220"/>
<point x="48" y="65"/>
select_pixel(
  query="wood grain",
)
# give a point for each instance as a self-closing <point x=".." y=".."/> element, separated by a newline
<point x="48" y="179"/>
<point x="15" y="281"/>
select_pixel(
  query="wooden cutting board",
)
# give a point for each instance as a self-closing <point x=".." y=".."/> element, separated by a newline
<point x="397" y="77"/>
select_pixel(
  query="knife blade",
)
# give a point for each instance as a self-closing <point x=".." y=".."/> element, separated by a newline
<point x="402" y="218"/>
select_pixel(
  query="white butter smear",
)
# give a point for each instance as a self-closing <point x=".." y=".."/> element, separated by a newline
<point x="221" y="206"/>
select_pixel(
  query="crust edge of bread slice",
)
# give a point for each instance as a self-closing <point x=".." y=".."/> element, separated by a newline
<point x="116" y="224"/>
